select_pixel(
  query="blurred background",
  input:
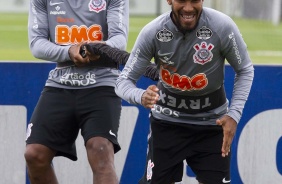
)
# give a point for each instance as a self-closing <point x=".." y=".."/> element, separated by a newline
<point x="259" y="22"/>
<point x="259" y="145"/>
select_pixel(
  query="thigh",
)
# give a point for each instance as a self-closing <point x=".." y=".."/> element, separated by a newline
<point x="217" y="171"/>
<point x="207" y="163"/>
<point x="174" y="174"/>
<point x="53" y="124"/>
<point x="165" y="156"/>
<point x="99" y="114"/>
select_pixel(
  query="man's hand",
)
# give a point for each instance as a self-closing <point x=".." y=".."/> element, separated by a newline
<point x="150" y="97"/>
<point x="77" y="58"/>
<point x="74" y="53"/>
<point x="87" y="53"/>
<point x="229" y="126"/>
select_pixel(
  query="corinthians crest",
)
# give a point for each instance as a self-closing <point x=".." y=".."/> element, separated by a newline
<point x="97" y="5"/>
<point x="203" y="53"/>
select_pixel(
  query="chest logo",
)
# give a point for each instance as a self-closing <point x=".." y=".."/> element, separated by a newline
<point x="164" y="35"/>
<point x="55" y="3"/>
<point x="66" y="35"/>
<point x="183" y="82"/>
<point x="165" y="58"/>
<point x="204" y="33"/>
<point x="97" y="5"/>
<point x="203" y="53"/>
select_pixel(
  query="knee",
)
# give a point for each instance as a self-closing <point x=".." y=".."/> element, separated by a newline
<point x="31" y="155"/>
<point x="100" y="148"/>
<point x="34" y="157"/>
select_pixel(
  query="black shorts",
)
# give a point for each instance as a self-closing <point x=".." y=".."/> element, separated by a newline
<point x="61" y="113"/>
<point x="170" y="144"/>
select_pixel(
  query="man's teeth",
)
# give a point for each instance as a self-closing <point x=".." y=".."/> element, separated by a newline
<point x="188" y="16"/>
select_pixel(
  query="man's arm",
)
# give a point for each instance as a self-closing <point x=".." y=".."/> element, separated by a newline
<point x="118" y="23"/>
<point x="38" y="35"/>
<point x="117" y="56"/>
<point x="235" y="51"/>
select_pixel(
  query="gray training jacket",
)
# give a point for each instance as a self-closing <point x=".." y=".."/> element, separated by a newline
<point x="55" y="25"/>
<point x="191" y="69"/>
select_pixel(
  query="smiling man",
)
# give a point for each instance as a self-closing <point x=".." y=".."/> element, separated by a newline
<point x="186" y="16"/>
<point x="191" y="119"/>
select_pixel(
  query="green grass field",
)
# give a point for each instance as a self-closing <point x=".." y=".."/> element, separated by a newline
<point x="264" y="40"/>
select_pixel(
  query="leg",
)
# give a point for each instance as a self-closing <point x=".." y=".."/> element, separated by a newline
<point x="52" y="124"/>
<point x="100" y="152"/>
<point x="99" y="128"/>
<point x="38" y="159"/>
<point x="208" y="164"/>
<point x="163" y="167"/>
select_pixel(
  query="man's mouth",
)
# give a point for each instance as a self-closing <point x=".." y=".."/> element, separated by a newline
<point x="188" y="17"/>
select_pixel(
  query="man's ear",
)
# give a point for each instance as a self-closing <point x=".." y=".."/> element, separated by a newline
<point x="169" y="2"/>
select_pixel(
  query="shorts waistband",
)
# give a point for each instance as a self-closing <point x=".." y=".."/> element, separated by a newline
<point x="98" y="63"/>
<point x="191" y="104"/>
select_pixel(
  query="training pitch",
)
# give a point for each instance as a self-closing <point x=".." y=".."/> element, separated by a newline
<point x="263" y="39"/>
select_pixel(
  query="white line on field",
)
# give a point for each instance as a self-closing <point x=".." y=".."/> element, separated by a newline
<point x="266" y="53"/>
